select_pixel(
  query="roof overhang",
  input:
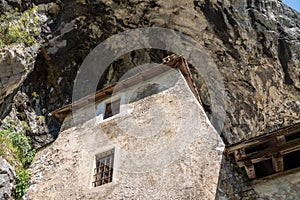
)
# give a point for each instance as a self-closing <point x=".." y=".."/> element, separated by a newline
<point x="173" y="61"/>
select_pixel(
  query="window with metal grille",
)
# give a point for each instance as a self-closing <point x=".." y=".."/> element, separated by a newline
<point x="112" y="108"/>
<point x="103" y="173"/>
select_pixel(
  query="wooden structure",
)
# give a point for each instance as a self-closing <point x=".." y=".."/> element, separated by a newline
<point x="268" y="154"/>
<point x="170" y="62"/>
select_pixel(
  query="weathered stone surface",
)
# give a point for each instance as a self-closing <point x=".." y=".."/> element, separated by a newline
<point x="17" y="60"/>
<point x="7" y="179"/>
<point x="282" y="188"/>
<point x="234" y="185"/>
<point x="23" y="114"/>
<point x="255" y="45"/>
<point x="9" y="5"/>
<point x="15" y="64"/>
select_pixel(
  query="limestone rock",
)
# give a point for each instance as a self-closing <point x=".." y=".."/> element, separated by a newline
<point x="26" y="119"/>
<point x="7" y="179"/>
<point x="15" y="64"/>
<point x="255" y="45"/>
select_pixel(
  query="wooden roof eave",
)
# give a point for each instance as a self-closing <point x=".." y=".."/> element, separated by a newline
<point x="174" y="62"/>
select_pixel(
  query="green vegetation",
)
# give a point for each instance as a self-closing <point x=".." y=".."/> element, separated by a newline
<point x="23" y="177"/>
<point x="16" y="27"/>
<point x="243" y="172"/>
<point x="16" y="149"/>
<point x="35" y="94"/>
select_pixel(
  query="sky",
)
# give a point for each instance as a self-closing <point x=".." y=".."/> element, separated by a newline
<point x="293" y="4"/>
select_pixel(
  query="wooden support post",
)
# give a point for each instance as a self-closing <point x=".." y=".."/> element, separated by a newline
<point x="238" y="154"/>
<point x="250" y="170"/>
<point x="277" y="161"/>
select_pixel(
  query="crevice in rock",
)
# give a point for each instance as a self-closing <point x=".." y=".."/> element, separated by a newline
<point x="284" y="55"/>
<point x="261" y="38"/>
<point x="216" y="17"/>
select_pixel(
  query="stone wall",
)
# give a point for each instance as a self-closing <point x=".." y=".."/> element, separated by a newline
<point x="286" y="187"/>
<point x="165" y="148"/>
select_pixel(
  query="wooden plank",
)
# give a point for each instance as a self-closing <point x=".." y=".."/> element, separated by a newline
<point x="272" y="176"/>
<point x="244" y="144"/>
<point x="271" y="145"/>
<point x="263" y="158"/>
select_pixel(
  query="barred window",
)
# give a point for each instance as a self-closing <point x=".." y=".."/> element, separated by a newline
<point x="103" y="173"/>
<point x="112" y="108"/>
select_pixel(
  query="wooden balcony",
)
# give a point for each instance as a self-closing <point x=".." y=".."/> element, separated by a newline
<point x="268" y="154"/>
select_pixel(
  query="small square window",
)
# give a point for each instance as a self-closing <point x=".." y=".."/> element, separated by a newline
<point x="103" y="173"/>
<point x="112" y="108"/>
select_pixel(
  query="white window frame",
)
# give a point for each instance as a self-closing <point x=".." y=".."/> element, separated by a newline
<point x="100" y="108"/>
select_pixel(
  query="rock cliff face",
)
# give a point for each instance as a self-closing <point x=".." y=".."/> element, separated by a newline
<point x="254" y="43"/>
<point x="16" y="63"/>
<point x="7" y="179"/>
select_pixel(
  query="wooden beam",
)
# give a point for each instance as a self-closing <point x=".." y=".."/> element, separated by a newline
<point x="281" y="140"/>
<point x="262" y="137"/>
<point x="273" y="148"/>
<point x="290" y="146"/>
<point x="244" y="144"/>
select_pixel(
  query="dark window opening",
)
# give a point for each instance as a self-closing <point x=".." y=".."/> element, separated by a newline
<point x="103" y="173"/>
<point x="291" y="160"/>
<point x="146" y="90"/>
<point x="292" y="137"/>
<point x="256" y="148"/>
<point x="263" y="168"/>
<point x="112" y="108"/>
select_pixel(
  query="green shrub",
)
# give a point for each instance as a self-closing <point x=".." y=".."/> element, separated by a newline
<point x="18" y="144"/>
<point x="22" y="185"/>
<point x="16" y="27"/>
<point x="28" y="158"/>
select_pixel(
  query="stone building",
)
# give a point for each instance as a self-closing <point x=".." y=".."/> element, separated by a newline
<point x="146" y="137"/>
